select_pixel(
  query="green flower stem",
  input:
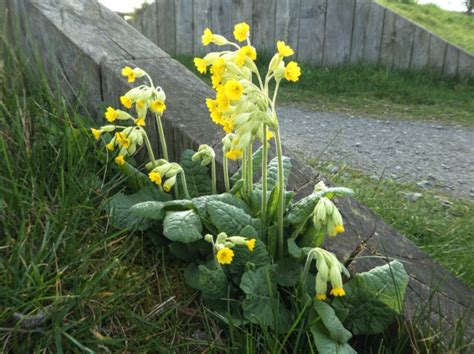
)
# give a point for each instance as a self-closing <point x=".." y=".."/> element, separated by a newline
<point x="214" y="176"/>
<point x="281" y="191"/>
<point x="148" y="147"/>
<point x="162" y="136"/>
<point x="250" y="168"/>
<point x="244" y="172"/>
<point x="264" y="179"/>
<point x="225" y="165"/>
<point x="185" y="186"/>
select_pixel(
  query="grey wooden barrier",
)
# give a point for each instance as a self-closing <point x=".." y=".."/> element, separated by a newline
<point x="83" y="46"/>
<point x="323" y="32"/>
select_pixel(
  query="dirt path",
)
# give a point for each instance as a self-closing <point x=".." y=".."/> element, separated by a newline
<point x="432" y="155"/>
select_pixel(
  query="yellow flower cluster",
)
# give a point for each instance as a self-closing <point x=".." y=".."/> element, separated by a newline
<point x="143" y="97"/>
<point x="241" y="105"/>
<point x="329" y="270"/>
<point x="223" y="246"/>
<point x="162" y="169"/>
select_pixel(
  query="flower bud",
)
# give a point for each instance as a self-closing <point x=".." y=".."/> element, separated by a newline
<point x="221" y="238"/>
<point x="209" y="238"/>
<point x="169" y="183"/>
<point x="237" y="240"/>
<point x="220" y="40"/>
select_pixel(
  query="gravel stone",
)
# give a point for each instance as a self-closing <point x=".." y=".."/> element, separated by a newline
<point x="426" y="152"/>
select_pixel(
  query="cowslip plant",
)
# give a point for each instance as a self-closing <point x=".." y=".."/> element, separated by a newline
<point x="255" y="254"/>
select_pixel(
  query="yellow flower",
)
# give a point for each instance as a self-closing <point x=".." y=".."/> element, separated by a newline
<point x="250" y="244"/>
<point x="234" y="154"/>
<point x="140" y="121"/>
<point x="338" y="292"/>
<point x="249" y="52"/>
<point x="241" y="31"/>
<point x="158" y="106"/>
<point x="225" y="255"/>
<point x="119" y="160"/>
<point x="201" y="65"/>
<point x="110" y="146"/>
<point x="140" y="104"/>
<point x="216" y="117"/>
<point x="96" y="133"/>
<point x="227" y="124"/>
<point x="211" y="104"/>
<point x="240" y="59"/>
<point x="111" y="114"/>
<point x="321" y="297"/>
<point x="218" y="67"/>
<point x="292" y="71"/>
<point x="122" y="140"/>
<point x="128" y="71"/>
<point x="233" y="90"/>
<point x="269" y="135"/>
<point x="284" y="50"/>
<point x="207" y="37"/>
<point x="339" y="229"/>
<point x="126" y="102"/>
<point x="216" y="80"/>
<point x="155" y="177"/>
<point x="222" y="100"/>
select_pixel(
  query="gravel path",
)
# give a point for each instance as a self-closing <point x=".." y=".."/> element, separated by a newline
<point x="432" y="155"/>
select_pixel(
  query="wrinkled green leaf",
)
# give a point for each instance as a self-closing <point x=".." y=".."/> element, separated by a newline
<point x="249" y="232"/>
<point x="191" y="276"/>
<point x="302" y="210"/>
<point x="244" y="260"/>
<point x="325" y="344"/>
<point x="334" y="326"/>
<point x="189" y="252"/>
<point x="228" y="218"/>
<point x="182" y="226"/>
<point x="262" y="305"/>
<point x="157" y="210"/>
<point x="374" y="298"/>
<point x="214" y="287"/>
<point x="272" y="174"/>
<point x="118" y="206"/>
<point x="197" y="176"/>
<point x="201" y="203"/>
<point x="288" y="272"/>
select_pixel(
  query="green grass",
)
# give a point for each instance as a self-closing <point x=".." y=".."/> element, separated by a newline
<point x="374" y="91"/>
<point x="455" y="27"/>
<point x="101" y="287"/>
<point x="444" y="232"/>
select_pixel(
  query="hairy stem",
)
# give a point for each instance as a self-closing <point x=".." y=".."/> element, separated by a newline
<point x="214" y="176"/>
<point x="161" y="133"/>
<point x="264" y="179"/>
<point x="225" y="165"/>
<point x="185" y="186"/>
<point x="281" y="191"/>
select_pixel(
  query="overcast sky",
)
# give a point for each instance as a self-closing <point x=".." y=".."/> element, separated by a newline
<point x="129" y="5"/>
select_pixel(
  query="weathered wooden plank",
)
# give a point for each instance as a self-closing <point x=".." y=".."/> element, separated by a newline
<point x="222" y="18"/>
<point x="421" y="47"/>
<point x="436" y="54"/>
<point x="160" y="25"/>
<point x="338" y="32"/>
<point x="361" y="18"/>
<point x="373" y="33"/>
<point x="184" y="27"/>
<point x="287" y="24"/>
<point x="170" y="26"/>
<point x="450" y="67"/>
<point x="465" y="64"/>
<point x="404" y="34"/>
<point x="264" y="25"/>
<point x="311" y="33"/>
<point x="202" y="20"/>
<point x="388" y="39"/>
<point x="151" y="26"/>
<point x="242" y="11"/>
